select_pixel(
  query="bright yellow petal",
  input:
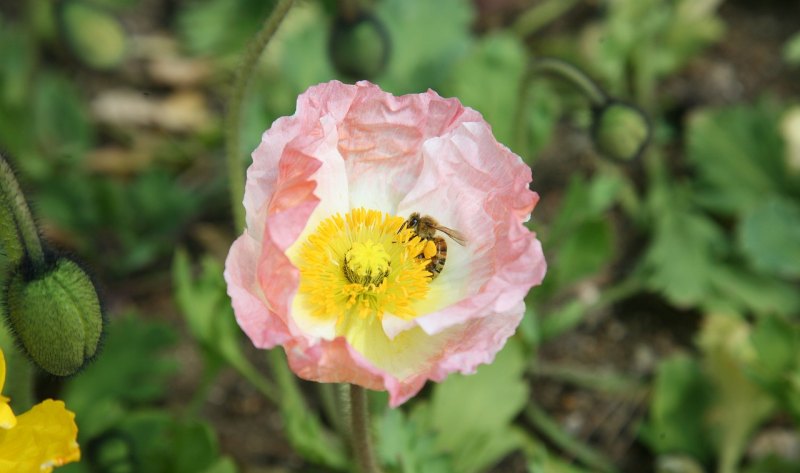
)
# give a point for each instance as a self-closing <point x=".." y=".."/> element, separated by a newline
<point x="45" y="436"/>
<point x="7" y="419"/>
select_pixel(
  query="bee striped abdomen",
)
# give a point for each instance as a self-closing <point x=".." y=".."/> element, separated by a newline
<point x="436" y="265"/>
<point x="425" y="228"/>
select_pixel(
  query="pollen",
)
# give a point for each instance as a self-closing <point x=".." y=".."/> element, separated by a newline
<point x="363" y="264"/>
<point x="366" y="263"/>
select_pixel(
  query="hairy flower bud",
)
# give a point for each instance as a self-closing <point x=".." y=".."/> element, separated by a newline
<point x="359" y="48"/>
<point x="620" y="131"/>
<point x="55" y="315"/>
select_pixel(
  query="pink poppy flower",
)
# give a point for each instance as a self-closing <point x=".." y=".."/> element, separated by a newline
<point x="328" y="267"/>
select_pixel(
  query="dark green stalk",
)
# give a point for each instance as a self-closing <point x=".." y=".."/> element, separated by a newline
<point x="25" y="228"/>
<point x="561" y="69"/>
<point x="359" y="423"/>
<point x="540" y="15"/>
<point x="234" y="111"/>
<point x="573" y="75"/>
<point x="553" y="432"/>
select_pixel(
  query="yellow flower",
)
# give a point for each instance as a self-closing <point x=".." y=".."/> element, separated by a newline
<point x="38" y="440"/>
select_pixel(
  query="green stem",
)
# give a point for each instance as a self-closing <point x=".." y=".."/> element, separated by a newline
<point x="520" y="137"/>
<point x="557" y="67"/>
<point x="331" y="405"/>
<point x="11" y="196"/>
<point x="550" y="429"/>
<point x="262" y="384"/>
<point x="573" y="75"/>
<point x="607" y="381"/>
<point x="540" y="15"/>
<point x="359" y="423"/>
<point x="234" y="109"/>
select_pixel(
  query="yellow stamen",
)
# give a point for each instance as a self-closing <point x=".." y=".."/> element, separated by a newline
<point x="366" y="263"/>
<point x="362" y="265"/>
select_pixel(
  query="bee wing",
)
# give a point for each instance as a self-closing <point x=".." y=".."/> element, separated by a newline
<point x="457" y="236"/>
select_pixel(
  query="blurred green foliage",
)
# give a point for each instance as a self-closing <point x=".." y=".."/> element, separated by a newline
<point x="705" y="224"/>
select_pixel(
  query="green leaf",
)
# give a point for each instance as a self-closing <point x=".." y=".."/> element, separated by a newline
<point x="777" y="343"/>
<point x="585" y="251"/>
<point x="205" y="27"/>
<point x="738" y="153"/>
<point x="769" y="235"/>
<point x="60" y="118"/>
<point x="132" y="368"/>
<point x="497" y="394"/>
<point x="585" y="201"/>
<point x="194" y="447"/>
<point x="115" y="4"/>
<point x="773" y="464"/>
<point x="407" y="444"/>
<point x="427" y="38"/>
<point x="95" y="36"/>
<point x="488" y="79"/>
<point x="740" y="405"/>
<point x="18" y="53"/>
<point x="777" y="366"/>
<point x="562" y="319"/>
<point x="682" y="254"/>
<point x="744" y="290"/>
<point x="644" y="40"/>
<point x="300" y="35"/>
<point x="680" y="399"/>
<point x="303" y="428"/>
<point x="158" y="443"/>
<point x="207" y="308"/>
<point x="135" y="222"/>
<point x="541" y="460"/>
<point x="791" y="50"/>
<point x="222" y="465"/>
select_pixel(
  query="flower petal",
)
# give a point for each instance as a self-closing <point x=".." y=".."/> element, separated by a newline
<point x="44" y="437"/>
<point x="351" y="146"/>
<point x="503" y="259"/>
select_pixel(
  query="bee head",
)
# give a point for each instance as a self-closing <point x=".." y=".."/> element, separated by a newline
<point x="413" y="221"/>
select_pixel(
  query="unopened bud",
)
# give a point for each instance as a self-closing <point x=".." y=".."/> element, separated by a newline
<point x="55" y="315"/>
<point x="620" y="131"/>
<point x="790" y="129"/>
<point x="359" y="48"/>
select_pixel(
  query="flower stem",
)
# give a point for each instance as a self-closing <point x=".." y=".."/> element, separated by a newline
<point x="24" y="229"/>
<point x="359" y="423"/>
<point x="554" y="433"/>
<point x="540" y="15"/>
<point x="573" y="75"/>
<point x="234" y="109"/>
<point x="562" y="69"/>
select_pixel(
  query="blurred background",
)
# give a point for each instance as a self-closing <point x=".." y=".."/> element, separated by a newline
<point x="666" y="336"/>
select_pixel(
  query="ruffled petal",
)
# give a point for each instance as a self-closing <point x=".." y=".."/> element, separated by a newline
<point x="45" y="437"/>
<point x="353" y="146"/>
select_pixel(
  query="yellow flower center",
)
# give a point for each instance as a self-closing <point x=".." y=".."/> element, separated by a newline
<point x="366" y="263"/>
<point x="362" y="264"/>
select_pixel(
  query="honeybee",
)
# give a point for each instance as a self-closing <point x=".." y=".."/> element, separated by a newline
<point x="426" y="227"/>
